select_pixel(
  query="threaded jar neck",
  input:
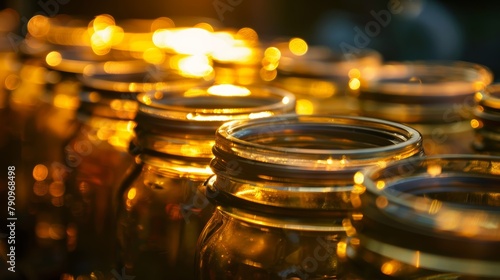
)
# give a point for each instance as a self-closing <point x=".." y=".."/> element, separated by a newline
<point x="304" y="161"/>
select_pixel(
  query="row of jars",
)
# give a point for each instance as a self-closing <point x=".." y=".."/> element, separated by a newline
<point x="124" y="150"/>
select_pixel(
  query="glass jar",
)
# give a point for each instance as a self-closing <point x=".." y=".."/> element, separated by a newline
<point x="282" y="188"/>
<point x="486" y="120"/>
<point x="162" y="212"/>
<point x="433" y="217"/>
<point x="436" y="98"/>
<point x="97" y="157"/>
<point x="319" y="77"/>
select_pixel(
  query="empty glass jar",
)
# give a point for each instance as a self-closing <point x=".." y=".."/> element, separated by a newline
<point x="97" y="157"/>
<point x="426" y="218"/>
<point x="282" y="189"/>
<point x="162" y="212"/>
<point x="436" y="98"/>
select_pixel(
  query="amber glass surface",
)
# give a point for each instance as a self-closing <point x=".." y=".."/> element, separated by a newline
<point x="97" y="157"/>
<point x="163" y="210"/>
<point x="282" y="189"/>
<point x="434" y="217"/>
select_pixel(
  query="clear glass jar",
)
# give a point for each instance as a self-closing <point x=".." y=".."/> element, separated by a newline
<point x="282" y="189"/>
<point x="162" y="212"/>
<point x="486" y="121"/>
<point x="435" y="97"/>
<point x="433" y="217"/>
<point x="97" y="157"/>
<point x="319" y="77"/>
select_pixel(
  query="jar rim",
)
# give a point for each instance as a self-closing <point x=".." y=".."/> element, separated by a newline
<point x="231" y="138"/>
<point x="400" y="185"/>
<point x="216" y="103"/>
<point x="447" y="78"/>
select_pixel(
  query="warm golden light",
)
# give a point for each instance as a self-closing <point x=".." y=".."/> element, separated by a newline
<point x="474" y="123"/>
<point x="153" y="56"/>
<point x="359" y="178"/>
<point x="304" y="107"/>
<point x="271" y="58"/>
<point x="298" y="46"/>
<point x="390" y="267"/>
<point x="380" y="185"/>
<point x="247" y="34"/>
<point x="194" y="66"/>
<point x="40" y="172"/>
<point x="228" y="90"/>
<point x="341" y="249"/>
<point x="38" y="26"/>
<point x="191" y="41"/>
<point x="66" y="101"/>
<point x="354" y="73"/>
<point x="434" y="170"/>
<point x="104" y="34"/>
<point x="354" y="84"/>
<point x="131" y="193"/>
<point x="53" y="58"/>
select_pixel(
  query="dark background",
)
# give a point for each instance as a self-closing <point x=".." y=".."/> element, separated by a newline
<point x="424" y="29"/>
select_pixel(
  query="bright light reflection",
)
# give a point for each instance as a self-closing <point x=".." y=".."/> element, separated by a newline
<point x="184" y="41"/>
<point x="298" y="46"/>
<point x="228" y="90"/>
<point x="53" y="58"/>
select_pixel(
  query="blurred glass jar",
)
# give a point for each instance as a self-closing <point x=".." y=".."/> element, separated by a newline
<point x="282" y="189"/>
<point x="486" y="121"/>
<point x="97" y="157"/>
<point x="318" y="76"/>
<point x="426" y="218"/>
<point x="162" y="212"/>
<point x="436" y="98"/>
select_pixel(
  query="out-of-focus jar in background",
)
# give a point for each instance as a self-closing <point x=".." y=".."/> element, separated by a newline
<point x="425" y="218"/>
<point x="486" y="121"/>
<point x="97" y="157"/>
<point x="319" y="77"/>
<point x="435" y="97"/>
<point x="282" y="190"/>
<point x="162" y="210"/>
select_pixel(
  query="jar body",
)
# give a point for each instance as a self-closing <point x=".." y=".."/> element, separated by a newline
<point x="232" y="247"/>
<point x="97" y="161"/>
<point x="282" y="190"/>
<point x="160" y="217"/>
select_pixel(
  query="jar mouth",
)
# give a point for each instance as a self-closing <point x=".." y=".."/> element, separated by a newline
<point x="316" y="142"/>
<point x="202" y="108"/>
<point x="418" y="81"/>
<point x="421" y="91"/>
<point x="447" y="196"/>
